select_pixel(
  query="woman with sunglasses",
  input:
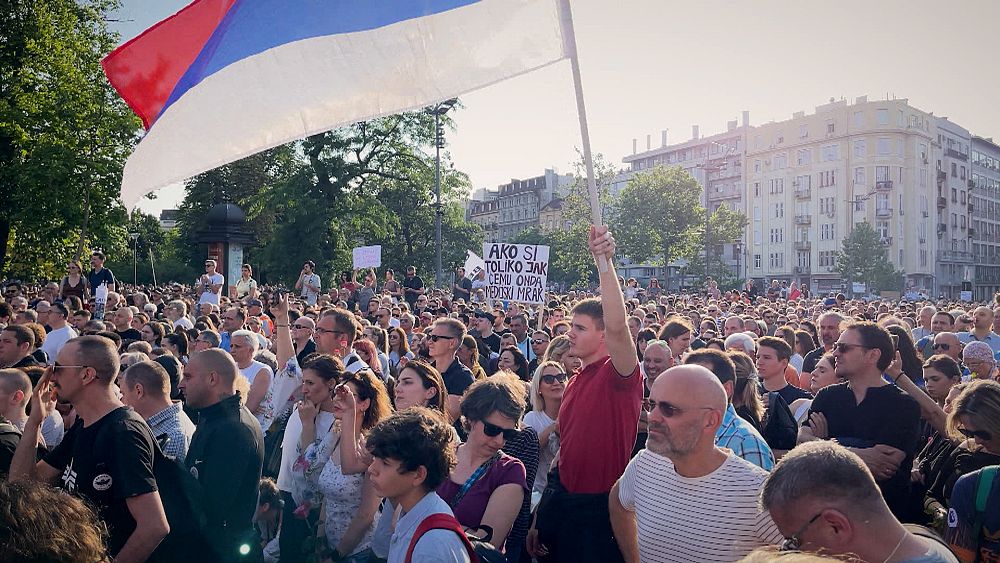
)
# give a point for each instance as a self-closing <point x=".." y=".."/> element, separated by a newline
<point x="487" y="487"/>
<point x="976" y="418"/>
<point x="74" y="283"/>
<point x="399" y="349"/>
<point x="547" y="388"/>
<point x="350" y="502"/>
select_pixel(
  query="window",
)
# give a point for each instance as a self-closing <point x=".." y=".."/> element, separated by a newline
<point x="804" y="156"/>
<point x="859" y="119"/>
<point x="831" y="153"/>
<point x="962" y="175"/>
<point x="831" y="128"/>
<point x="954" y="170"/>
<point x="779" y="210"/>
<point x="803" y="181"/>
<point x="756" y="166"/>
<point x="828" y="178"/>
<point x="803" y="131"/>
<point x="756" y="261"/>
<point x="756" y="189"/>
<point x="860" y="148"/>
<point x="883" y="147"/>
<point x="882" y="174"/>
<point x="860" y="176"/>
<point x="882" y="116"/>
<point x="777" y="185"/>
<point x="780" y="161"/>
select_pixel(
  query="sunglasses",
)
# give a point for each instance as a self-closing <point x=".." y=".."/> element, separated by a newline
<point x="666" y="409"/>
<point x="536" y="342"/>
<point x="436" y="337"/>
<point x="552" y="378"/>
<point x="492" y="430"/>
<point x="794" y="542"/>
<point x="844" y="347"/>
<point x="978" y="434"/>
<point x="942" y="347"/>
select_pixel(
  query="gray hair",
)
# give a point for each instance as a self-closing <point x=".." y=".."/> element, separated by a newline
<point x="819" y="320"/>
<point x="178" y="304"/>
<point x="662" y="344"/>
<point x="742" y="339"/>
<point x="250" y="337"/>
<point x="822" y="470"/>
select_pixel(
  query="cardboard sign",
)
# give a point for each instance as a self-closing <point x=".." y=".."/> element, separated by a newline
<point x="367" y="257"/>
<point x="516" y="272"/>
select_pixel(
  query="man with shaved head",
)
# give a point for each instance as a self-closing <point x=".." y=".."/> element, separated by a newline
<point x="982" y="330"/>
<point x="226" y="453"/>
<point x="658" y="504"/>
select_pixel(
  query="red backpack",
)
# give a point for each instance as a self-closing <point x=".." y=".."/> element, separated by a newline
<point x="441" y="521"/>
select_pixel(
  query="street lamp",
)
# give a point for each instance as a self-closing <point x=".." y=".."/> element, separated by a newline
<point x="439" y="110"/>
<point x="135" y="259"/>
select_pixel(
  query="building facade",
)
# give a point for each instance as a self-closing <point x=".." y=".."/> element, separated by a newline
<point x="955" y="263"/>
<point x="984" y="197"/>
<point x="516" y="206"/>
<point x="811" y="178"/>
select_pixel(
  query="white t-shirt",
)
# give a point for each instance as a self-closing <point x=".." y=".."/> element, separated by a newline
<point x="540" y="421"/>
<point x="710" y="518"/>
<point x="55" y="340"/>
<point x="207" y="295"/>
<point x="307" y="294"/>
<point x="184" y="323"/>
<point x="250" y="372"/>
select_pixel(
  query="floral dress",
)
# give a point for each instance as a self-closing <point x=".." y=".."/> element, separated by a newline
<point x="342" y="495"/>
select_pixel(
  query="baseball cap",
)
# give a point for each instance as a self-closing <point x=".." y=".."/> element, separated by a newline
<point x="254" y="303"/>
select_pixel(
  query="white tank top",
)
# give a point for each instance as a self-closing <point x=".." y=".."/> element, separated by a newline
<point x="251" y="371"/>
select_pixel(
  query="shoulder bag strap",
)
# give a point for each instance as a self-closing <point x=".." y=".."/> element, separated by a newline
<point x="479" y="472"/>
<point x="440" y="521"/>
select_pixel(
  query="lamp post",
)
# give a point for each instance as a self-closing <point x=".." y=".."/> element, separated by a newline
<point x="439" y="110"/>
<point x="135" y="258"/>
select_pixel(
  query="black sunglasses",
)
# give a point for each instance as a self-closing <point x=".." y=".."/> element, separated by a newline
<point x="844" y="347"/>
<point x="492" y="430"/>
<point x="539" y="341"/>
<point x="552" y="378"/>
<point x="942" y="346"/>
<point x="666" y="409"/>
<point x="436" y="337"/>
<point x="978" y="434"/>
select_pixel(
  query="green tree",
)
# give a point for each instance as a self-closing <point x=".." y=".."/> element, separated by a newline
<point x="64" y="136"/>
<point x="659" y="216"/>
<point x="148" y="247"/>
<point x="864" y="259"/>
<point x="725" y="226"/>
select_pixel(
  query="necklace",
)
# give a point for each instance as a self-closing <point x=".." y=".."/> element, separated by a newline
<point x="895" y="549"/>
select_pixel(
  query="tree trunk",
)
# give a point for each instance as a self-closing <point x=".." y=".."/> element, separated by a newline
<point x="86" y="223"/>
<point x="4" y="241"/>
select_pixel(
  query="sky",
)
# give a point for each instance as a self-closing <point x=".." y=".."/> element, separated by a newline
<point x="650" y="65"/>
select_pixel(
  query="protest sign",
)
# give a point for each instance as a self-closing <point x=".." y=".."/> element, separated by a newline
<point x="367" y="257"/>
<point x="473" y="265"/>
<point x="516" y="272"/>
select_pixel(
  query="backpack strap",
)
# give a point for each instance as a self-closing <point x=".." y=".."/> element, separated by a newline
<point x="984" y="485"/>
<point x="440" y="521"/>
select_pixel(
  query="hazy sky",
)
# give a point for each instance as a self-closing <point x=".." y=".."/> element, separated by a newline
<point x="650" y="65"/>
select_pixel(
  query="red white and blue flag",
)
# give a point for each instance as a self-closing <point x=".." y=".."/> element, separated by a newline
<point x="224" y="79"/>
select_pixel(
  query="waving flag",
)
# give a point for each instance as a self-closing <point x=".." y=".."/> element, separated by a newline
<point x="224" y="79"/>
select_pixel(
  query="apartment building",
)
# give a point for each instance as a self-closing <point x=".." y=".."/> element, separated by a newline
<point x="811" y="178"/>
<point x="984" y="199"/>
<point x="515" y="206"/>
<point x="955" y="261"/>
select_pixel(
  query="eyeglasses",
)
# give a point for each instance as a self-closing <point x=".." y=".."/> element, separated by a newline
<point x="977" y="434"/>
<point x="536" y="342"/>
<point x="320" y="330"/>
<point x="844" y="347"/>
<point x="300" y="326"/>
<point x="945" y="347"/>
<point x="552" y="378"/>
<point x="794" y="542"/>
<point x="436" y="337"/>
<point x="492" y="430"/>
<point x="666" y="409"/>
<point x="57" y="367"/>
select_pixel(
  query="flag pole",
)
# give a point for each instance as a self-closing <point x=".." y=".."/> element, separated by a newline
<point x="569" y="45"/>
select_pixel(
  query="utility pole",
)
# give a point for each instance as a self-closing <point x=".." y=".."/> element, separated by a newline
<point x="438" y="111"/>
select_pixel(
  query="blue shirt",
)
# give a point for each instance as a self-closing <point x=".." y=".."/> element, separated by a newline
<point x="224" y="340"/>
<point x="743" y="439"/>
<point x="991" y="338"/>
<point x="439" y="546"/>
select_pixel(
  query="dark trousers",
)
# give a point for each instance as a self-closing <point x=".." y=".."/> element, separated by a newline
<point x="294" y="532"/>
<point x="575" y="527"/>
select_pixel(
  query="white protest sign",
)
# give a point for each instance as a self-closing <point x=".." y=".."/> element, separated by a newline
<point x="367" y="257"/>
<point x="516" y="272"/>
<point x="473" y="265"/>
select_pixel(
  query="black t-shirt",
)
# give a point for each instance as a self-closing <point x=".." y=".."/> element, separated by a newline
<point x="309" y="348"/>
<point x="95" y="279"/>
<point x="27" y="362"/>
<point x="811" y="359"/>
<point x="9" y="437"/>
<point x="457" y="378"/>
<point x="492" y="341"/>
<point x="888" y="416"/>
<point x="106" y="463"/>
<point x="412" y="283"/>
<point x="789" y="393"/>
<point x="464" y="289"/>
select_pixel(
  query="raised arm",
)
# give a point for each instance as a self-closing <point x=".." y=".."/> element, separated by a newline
<point x="285" y="349"/>
<point x="616" y="334"/>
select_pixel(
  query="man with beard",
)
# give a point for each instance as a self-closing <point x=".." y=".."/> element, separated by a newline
<point x="658" y="504"/>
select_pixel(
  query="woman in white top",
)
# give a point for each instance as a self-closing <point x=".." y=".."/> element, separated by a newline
<point x="246" y="286"/>
<point x="823" y="375"/>
<point x="547" y="387"/>
<point x="350" y="503"/>
<point x="243" y="344"/>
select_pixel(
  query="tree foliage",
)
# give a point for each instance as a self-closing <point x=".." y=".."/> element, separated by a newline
<point x="864" y="259"/>
<point x="725" y="226"/>
<point x="64" y="136"/>
<point x="658" y="216"/>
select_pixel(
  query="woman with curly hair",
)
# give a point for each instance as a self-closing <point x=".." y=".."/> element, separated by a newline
<point x="39" y="523"/>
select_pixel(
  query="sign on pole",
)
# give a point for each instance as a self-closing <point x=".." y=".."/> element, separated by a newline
<point x="473" y="265"/>
<point x="367" y="257"/>
<point x="516" y="272"/>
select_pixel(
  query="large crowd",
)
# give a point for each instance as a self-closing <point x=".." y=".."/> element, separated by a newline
<point x="384" y="420"/>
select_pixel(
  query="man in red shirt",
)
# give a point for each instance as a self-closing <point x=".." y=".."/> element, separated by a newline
<point x="597" y="426"/>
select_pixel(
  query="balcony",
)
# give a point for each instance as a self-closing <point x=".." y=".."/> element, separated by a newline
<point x="883" y="186"/>
<point x="955" y="154"/>
<point x="803" y="245"/>
<point x="727" y="193"/>
<point x="803" y="219"/>
<point x="883" y="212"/>
<point x="941" y="176"/>
<point x="972" y="208"/>
<point x="803" y="192"/>
<point x="942" y="202"/>
<point x="955" y="256"/>
<point x="941" y="228"/>
<point x="886" y="241"/>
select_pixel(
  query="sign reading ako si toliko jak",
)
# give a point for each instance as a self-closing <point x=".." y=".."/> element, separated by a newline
<point x="516" y="272"/>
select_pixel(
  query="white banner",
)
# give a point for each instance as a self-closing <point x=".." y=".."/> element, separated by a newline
<point x="367" y="257"/>
<point x="473" y="265"/>
<point x="516" y="272"/>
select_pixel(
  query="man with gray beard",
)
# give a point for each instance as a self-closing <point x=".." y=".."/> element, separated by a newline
<point x="683" y="486"/>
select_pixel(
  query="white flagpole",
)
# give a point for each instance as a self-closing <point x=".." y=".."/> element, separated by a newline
<point x="569" y="44"/>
